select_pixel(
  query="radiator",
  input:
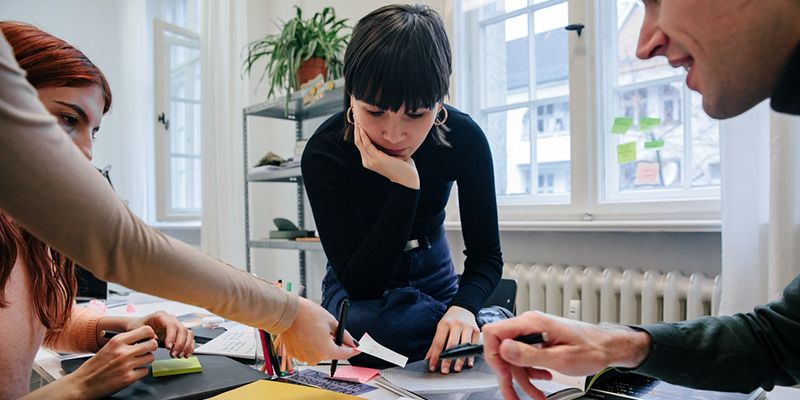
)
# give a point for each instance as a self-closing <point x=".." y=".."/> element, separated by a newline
<point x="596" y="294"/>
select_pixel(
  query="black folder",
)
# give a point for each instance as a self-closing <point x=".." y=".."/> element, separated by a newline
<point x="219" y="375"/>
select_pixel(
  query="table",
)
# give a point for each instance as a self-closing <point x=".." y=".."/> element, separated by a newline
<point x="48" y="366"/>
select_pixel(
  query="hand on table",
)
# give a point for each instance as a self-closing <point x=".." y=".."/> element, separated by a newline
<point x="572" y="348"/>
<point x="456" y="326"/>
<point x="311" y="336"/>
<point x="116" y="366"/>
<point x="399" y="170"/>
<point x="179" y="339"/>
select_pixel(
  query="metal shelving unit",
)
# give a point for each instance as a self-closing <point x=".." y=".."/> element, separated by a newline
<point x="330" y="103"/>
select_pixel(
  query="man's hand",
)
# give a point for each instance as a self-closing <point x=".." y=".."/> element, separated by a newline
<point x="573" y="348"/>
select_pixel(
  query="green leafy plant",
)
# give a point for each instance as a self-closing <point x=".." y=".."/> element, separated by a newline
<point x="299" y="40"/>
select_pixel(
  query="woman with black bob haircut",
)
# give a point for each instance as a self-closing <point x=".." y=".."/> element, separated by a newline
<point x="378" y="178"/>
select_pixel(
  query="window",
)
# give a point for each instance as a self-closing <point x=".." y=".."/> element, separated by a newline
<point x="177" y="130"/>
<point x="547" y="99"/>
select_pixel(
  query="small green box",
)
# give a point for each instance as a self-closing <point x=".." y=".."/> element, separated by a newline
<point x="176" y="366"/>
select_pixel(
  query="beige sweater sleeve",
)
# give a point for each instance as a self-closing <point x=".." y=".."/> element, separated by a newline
<point x="49" y="188"/>
<point x="79" y="334"/>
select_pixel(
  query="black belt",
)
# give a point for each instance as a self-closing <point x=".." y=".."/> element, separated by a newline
<point x="426" y="240"/>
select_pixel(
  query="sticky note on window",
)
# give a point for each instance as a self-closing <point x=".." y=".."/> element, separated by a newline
<point x="626" y="152"/>
<point x="176" y="366"/>
<point x="621" y="125"/>
<point x="647" y="173"/>
<point x="647" y="124"/>
<point x="655" y="145"/>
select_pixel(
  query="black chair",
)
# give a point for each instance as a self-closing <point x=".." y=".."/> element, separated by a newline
<point x="504" y="295"/>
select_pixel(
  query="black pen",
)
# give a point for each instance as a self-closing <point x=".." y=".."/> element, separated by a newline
<point x="471" y="350"/>
<point x="340" y="331"/>
<point x="111" y="334"/>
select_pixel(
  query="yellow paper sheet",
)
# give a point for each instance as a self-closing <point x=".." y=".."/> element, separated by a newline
<point x="280" y="391"/>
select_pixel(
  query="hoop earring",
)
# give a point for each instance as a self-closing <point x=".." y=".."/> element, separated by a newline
<point x="347" y="115"/>
<point x="438" y="123"/>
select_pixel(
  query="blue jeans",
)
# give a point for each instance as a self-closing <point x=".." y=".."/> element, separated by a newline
<point x="405" y="318"/>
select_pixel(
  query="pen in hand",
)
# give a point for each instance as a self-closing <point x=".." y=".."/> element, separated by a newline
<point x="340" y="331"/>
<point x="111" y="334"/>
<point x="470" y="350"/>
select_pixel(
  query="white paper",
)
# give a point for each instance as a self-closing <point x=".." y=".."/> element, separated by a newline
<point x="238" y="341"/>
<point x="368" y="345"/>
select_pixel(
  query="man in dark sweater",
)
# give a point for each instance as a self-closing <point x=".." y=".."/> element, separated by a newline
<point x="738" y="53"/>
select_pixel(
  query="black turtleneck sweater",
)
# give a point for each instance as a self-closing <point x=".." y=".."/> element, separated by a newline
<point x="364" y="220"/>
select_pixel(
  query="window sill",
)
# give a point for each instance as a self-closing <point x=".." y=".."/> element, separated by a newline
<point x="710" y="225"/>
<point x="185" y="231"/>
<point x="177" y="225"/>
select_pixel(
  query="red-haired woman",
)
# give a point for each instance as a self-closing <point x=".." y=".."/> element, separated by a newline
<point x="37" y="284"/>
<point x="51" y="191"/>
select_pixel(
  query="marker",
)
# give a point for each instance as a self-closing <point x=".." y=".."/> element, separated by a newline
<point x="471" y="350"/>
<point x="111" y="334"/>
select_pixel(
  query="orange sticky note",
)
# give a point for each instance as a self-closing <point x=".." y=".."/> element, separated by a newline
<point x="355" y="374"/>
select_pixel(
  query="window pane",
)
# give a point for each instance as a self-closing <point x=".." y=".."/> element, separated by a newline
<point x="665" y="102"/>
<point x="498" y="7"/>
<point x="509" y="138"/>
<point x="184" y="71"/>
<point x="185" y="185"/>
<point x="553" y="146"/>
<point x="506" y="62"/>
<point x="552" y="51"/>
<point x="705" y="145"/>
<point x="178" y="128"/>
<point x="630" y="16"/>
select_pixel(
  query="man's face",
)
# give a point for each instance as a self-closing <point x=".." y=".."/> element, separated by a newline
<point x="727" y="46"/>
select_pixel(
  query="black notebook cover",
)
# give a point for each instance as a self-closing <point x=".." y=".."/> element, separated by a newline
<point x="220" y="374"/>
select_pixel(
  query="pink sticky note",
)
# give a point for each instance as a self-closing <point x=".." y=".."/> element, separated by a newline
<point x="95" y="305"/>
<point x="647" y="173"/>
<point x="130" y="308"/>
<point x="355" y="374"/>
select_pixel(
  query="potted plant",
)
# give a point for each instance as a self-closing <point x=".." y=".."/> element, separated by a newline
<point x="307" y="47"/>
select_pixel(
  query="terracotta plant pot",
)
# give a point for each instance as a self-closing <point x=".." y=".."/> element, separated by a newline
<point x="309" y="70"/>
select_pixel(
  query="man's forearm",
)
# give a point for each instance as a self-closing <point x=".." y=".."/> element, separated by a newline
<point x="625" y="347"/>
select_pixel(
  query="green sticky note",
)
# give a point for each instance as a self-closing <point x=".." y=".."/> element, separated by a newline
<point x="654" y="145"/>
<point x="647" y="124"/>
<point x="621" y="125"/>
<point x="176" y="366"/>
<point x="626" y="152"/>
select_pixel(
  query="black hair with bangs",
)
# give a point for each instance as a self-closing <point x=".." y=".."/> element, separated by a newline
<point x="398" y="55"/>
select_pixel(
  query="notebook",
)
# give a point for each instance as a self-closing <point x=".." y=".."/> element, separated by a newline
<point x="219" y="374"/>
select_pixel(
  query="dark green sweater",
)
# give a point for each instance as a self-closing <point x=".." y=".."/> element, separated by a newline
<point x="745" y="351"/>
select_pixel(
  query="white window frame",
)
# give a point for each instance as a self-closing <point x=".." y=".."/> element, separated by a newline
<point x="587" y="200"/>
<point x="162" y="101"/>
